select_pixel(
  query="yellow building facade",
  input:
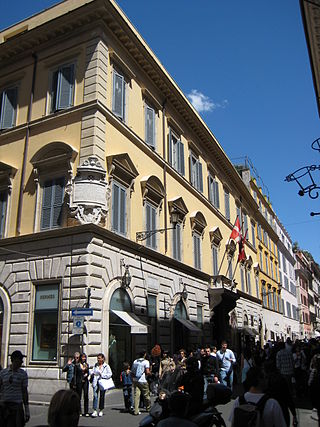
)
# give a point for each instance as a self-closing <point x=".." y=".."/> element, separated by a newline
<point x="114" y="196"/>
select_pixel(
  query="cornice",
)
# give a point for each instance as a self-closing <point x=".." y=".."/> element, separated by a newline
<point x="111" y="15"/>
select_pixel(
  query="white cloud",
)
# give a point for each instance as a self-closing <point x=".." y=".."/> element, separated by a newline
<point x="203" y="103"/>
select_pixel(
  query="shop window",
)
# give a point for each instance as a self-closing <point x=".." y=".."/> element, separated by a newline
<point x="45" y="328"/>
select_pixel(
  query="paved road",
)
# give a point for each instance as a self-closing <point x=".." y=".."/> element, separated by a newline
<point x="114" y="416"/>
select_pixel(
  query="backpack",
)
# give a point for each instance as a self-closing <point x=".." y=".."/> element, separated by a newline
<point x="249" y="414"/>
<point x="138" y="369"/>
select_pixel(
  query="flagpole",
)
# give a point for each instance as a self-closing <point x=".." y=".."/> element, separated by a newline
<point x="225" y="250"/>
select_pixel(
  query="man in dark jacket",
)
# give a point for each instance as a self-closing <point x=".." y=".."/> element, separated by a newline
<point x="192" y="382"/>
<point x="209" y="369"/>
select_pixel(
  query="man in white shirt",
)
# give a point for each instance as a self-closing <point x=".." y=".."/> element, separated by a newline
<point x="226" y="359"/>
<point x="140" y="370"/>
<point x="272" y="415"/>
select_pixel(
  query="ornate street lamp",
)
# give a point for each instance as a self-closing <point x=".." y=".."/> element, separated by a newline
<point x="305" y="179"/>
<point x="143" y="235"/>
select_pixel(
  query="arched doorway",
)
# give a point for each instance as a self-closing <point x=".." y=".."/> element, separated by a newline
<point x="120" y="340"/>
<point x="1" y="325"/>
<point x="180" y="332"/>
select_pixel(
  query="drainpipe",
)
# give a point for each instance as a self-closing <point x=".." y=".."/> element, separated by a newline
<point x="164" y="177"/>
<point x="26" y="146"/>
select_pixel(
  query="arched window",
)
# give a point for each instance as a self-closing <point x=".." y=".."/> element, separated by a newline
<point x="180" y="311"/>
<point x="120" y="301"/>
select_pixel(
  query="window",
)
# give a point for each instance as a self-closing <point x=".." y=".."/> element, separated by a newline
<point x="242" y="278"/>
<point x="257" y="286"/>
<point x="261" y="262"/>
<point x="253" y="234"/>
<point x="269" y="298"/>
<point x="45" y="328"/>
<point x="230" y="272"/>
<point x="245" y="225"/>
<point x="293" y="289"/>
<point x="271" y="268"/>
<point x="288" y="309"/>
<point x="3" y="211"/>
<point x="196" y="172"/>
<point x="283" y="307"/>
<point x="62" y="88"/>
<point x="249" y="282"/>
<point x="8" y="107"/>
<point x="259" y="232"/>
<point x="176" y="242"/>
<point x="197" y="250"/>
<point x="275" y="299"/>
<point x="150" y="134"/>
<point x="284" y="264"/>
<point x="199" y="316"/>
<point x="52" y="203"/>
<point x="227" y="204"/>
<point x="267" y="263"/>
<point x="119" y="208"/>
<point x="118" y="95"/>
<point x="176" y="153"/>
<point x="151" y="224"/>
<point x="264" y="296"/>
<point x="152" y="317"/>
<point x="215" y="260"/>
<point x="213" y="187"/>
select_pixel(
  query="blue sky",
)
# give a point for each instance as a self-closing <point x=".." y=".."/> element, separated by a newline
<point x="246" y="65"/>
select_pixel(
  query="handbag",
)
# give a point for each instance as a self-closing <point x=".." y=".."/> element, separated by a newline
<point x="106" y="384"/>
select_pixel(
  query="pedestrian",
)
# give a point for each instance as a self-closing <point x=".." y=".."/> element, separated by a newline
<point x="167" y="365"/>
<point x="140" y="371"/>
<point x="255" y="383"/>
<point x="314" y="386"/>
<point x="84" y="384"/>
<point x="64" y="409"/>
<point x="154" y="368"/>
<point x="179" y="407"/>
<point x="226" y="361"/>
<point x="101" y="371"/>
<point x="14" y="404"/>
<point x="285" y="364"/>
<point x="209" y="369"/>
<point x="300" y="370"/>
<point x="126" y="380"/>
<point x="192" y="382"/>
<point x="246" y="363"/>
<point x="74" y="373"/>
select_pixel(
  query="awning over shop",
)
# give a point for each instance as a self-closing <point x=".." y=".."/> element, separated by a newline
<point x="249" y="331"/>
<point x="137" y="326"/>
<point x="189" y="325"/>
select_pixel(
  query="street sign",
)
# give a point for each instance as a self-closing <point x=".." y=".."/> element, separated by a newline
<point x="77" y="325"/>
<point x="82" y="311"/>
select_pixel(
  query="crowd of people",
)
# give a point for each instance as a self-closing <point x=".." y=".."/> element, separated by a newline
<point x="272" y="377"/>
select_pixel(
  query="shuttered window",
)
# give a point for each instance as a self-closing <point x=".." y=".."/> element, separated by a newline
<point x="118" y="96"/>
<point x="151" y="225"/>
<point x="3" y="210"/>
<point x="52" y="203"/>
<point x="119" y="210"/>
<point x="196" y="172"/>
<point x="249" y="282"/>
<point x="227" y="204"/>
<point x="150" y="126"/>
<point x="197" y="250"/>
<point x="242" y="279"/>
<point x="176" y="242"/>
<point x="213" y="187"/>
<point x="8" y="108"/>
<point x="215" y="260"/>
<point x="62" y="90"/>
<point x="176" y="153"/>
<point x="253" y="235"/>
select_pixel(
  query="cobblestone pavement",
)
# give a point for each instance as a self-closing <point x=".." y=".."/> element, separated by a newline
<point x="115" y="417"/>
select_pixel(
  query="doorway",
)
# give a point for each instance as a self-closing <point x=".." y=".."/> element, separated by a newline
<point x="180" y="332"/>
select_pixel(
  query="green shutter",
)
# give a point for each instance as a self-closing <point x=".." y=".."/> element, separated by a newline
<point x="3" y="208"/>
<point x="8" y="108"/>
<point x="115" y="207"/>
<point x="65" y="87"/>
<point x="122" y="211"/>
<point x="118" y="95"/>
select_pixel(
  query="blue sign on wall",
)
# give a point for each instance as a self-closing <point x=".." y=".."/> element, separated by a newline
<point x="82" y="311"/>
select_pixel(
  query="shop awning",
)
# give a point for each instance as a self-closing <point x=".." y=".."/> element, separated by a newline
<point x="189" y="325"/>
<point x="249" y="331"/>
<point x="137" y="326"/>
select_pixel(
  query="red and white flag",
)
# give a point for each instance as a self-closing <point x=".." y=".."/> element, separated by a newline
<point x="236" y="232"/>
<point x="242" y="255"/>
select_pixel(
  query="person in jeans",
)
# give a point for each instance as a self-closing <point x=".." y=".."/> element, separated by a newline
<point x="84" y="384"/>
<point x="140" y="371"/>
<point x="226" y="360"/>
<point x="209" y="369"/>
<point x="74" y="373"/>
<point x="100" y="371"/>
<point x="126" y="380"/>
